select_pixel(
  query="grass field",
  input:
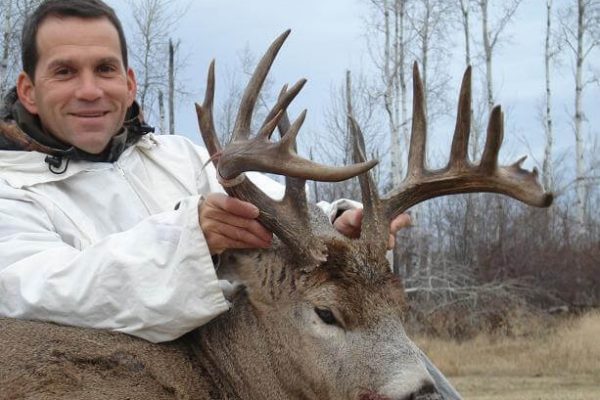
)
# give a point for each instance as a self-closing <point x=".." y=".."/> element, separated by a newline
<point x="541" y="363"/>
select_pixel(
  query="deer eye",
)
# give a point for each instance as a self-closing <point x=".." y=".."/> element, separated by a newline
<point x="326" y="316"/>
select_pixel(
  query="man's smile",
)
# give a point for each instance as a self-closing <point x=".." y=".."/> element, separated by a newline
<point x="88" y="114"/>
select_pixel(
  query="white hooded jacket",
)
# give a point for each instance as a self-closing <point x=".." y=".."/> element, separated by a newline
<point x="112" y="245"/>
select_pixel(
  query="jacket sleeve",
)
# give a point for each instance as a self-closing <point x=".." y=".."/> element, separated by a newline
<point x="157" y="291"/>
<point x="333" y="209"/>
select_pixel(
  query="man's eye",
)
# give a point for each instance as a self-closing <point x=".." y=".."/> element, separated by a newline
<point x="106" y="69"/>
<point x="63" y="71"/>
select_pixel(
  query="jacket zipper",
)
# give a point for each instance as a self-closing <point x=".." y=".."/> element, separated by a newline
<point x="131" y="187"/>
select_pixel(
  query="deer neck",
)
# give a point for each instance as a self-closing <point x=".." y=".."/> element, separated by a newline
<point x="241" y="356"/>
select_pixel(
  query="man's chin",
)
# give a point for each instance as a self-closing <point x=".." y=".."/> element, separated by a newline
<point x="91" y="147"/>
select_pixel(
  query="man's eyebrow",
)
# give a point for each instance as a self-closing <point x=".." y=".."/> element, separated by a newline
<point x="59" y="62"/>
<point x="109" y="60"/>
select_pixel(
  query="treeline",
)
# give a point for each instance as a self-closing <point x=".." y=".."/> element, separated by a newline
<point x="472" y="260"/>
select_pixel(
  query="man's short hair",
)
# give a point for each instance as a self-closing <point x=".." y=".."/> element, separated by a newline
<point x="87" y="9"/>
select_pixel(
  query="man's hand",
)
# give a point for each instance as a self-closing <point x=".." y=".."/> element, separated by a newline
<point x="229" y="223"/>
<point x="350" y="221"/>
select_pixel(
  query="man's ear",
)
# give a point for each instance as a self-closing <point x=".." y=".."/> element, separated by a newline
<point x="26" y="92"/>
<point x="131" y="85"/>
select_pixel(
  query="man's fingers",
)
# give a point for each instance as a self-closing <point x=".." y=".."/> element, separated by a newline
<point x="401" y="221"/>
<point x="219" y="243"/>
<point x="391" y="242"/>
<point x="248" y="237"/>
<point x="229" y="223"/>
<point x="349" y="223"/>
<point x="231" y="205"/>
<point x="221" y="217"/>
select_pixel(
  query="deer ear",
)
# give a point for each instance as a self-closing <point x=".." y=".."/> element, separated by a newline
<point x="238" y="271"/>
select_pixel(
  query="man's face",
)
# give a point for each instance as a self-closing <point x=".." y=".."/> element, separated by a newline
<point x="81" y="90"/>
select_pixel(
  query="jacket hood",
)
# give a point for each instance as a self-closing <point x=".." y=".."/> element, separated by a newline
<point x="22" y="131"/>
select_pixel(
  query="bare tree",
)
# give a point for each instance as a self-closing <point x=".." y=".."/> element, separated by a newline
<point x="7" y="29"/>
<point x="388" y="22"/>
<point x="581" y="35"/>
<point x="491" y="31"/>
<point x="151" y="54"/>
<point x="12" y="16"/>
<point x="465" y="12"/>
<point x="549" y="54"/>
<point x="352" y="95"/>
<point x="172" y="48"/>
<point x="465" y="249"/>
<point x="161" y="112"/>
<point x="429" y="21"/>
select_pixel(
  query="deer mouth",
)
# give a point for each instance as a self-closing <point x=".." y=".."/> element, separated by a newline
<point x="370" y="395"/>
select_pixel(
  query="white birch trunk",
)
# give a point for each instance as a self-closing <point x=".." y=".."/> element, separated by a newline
<point x="579" y="157"/>
<point x="487" y="53"/>
<point x="390" y="101"/>
<point x="547" y="170"/>
<point x="464" y="9"/>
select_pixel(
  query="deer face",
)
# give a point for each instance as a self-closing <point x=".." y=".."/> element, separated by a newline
<point x="338" y="327"/>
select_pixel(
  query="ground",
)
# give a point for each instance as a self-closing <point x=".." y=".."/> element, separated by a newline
<point x="560" y="362"/>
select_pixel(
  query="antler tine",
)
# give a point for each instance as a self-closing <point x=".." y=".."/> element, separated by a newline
<point x="284" y="122"/>
<point x="460" y="142"/>
<point x="280" y="158"/>
<point x="243" y="121"/>
<point x="295" y="193"/>
<point x="460" y="176"/>
<point x="283" y="101"/>
<point x="495" y="135"/>
<point x="288" y="140"/>
<point x="373" y="228"/>
<point x="269" y="126"/>
<point x="205" y="115"/>
<point x="418" y="138"/>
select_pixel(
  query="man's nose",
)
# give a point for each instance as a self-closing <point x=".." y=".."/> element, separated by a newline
<point x="89" y="87"/>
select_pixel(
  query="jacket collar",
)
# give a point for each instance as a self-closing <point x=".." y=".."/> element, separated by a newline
<point x="22" y="131"/>
<point x="21" y="169"/>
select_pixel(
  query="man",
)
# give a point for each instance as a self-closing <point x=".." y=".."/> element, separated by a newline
<point x="101" y="224"/>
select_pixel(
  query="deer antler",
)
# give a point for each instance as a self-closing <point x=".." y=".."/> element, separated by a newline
<point x="288" y="218"/>
<point x="459" y="176"/>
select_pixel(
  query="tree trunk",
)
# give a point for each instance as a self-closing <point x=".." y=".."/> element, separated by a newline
<point x="487" y="53"/>
<point x="547" y="163"/>
<point x="171" y="88"/>
<point x="161" y="113"/>
<point x="6" y="42"/>
<point x="464" y="8"/>
<point x="579" y="160"/>
<point x="390" y="71"/>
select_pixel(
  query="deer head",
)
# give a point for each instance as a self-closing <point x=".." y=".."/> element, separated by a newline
<point x="326" y="310"/>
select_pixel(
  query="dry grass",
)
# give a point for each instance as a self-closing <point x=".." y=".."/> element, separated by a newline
<point x="557" y="362"/>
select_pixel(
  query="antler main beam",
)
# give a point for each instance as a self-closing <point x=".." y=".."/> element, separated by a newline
<point x="459" y="175"/>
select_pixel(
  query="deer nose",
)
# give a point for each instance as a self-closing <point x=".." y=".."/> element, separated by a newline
<point x="426" y="392"/>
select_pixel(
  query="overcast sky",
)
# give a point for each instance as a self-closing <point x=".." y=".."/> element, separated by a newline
<point x="328" y="38"/>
